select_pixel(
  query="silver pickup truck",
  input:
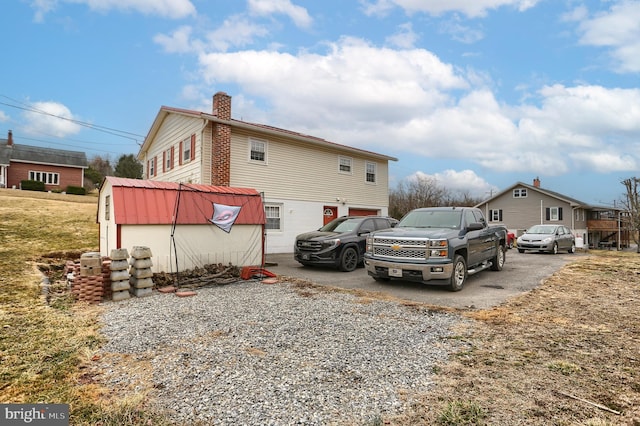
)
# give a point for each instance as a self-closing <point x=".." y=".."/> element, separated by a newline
<point x="436" y="245"/>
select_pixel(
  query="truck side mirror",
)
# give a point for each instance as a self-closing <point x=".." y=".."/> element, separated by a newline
<point x="475" y="226"/>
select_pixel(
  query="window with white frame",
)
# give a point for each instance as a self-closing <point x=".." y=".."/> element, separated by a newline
<point x="186" y="150"/>
<point x="107" y="207"/>
<point x="48" y="178"/>
<point x="371" y="172"/>
<point x="344" y="164"/>
<point x="152" y="167"/>
<point x="168" y="154"/>
<point x="495" y="215"/>
<point x="519" y="192"/>
<point x="554" y="213"/>
<point x="273" y="214"/>
<point x="257" y="150"/>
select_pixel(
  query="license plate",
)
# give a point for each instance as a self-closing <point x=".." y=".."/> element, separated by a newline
<point x="395" y="272"/>
<point x="305" y="257"/>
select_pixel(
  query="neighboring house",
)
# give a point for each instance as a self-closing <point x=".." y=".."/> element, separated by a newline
<point x="306" y="181"/>
<point x="174" y="221"/>
<point x="521" y="205"/>
<point x="57" y="168"/>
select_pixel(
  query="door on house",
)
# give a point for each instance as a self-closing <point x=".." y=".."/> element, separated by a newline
<point x="363" y="212"/>
<point x="329" y="213"/>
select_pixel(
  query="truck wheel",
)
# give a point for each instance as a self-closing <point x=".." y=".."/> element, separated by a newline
<point x="498" y="261"/>
<point x="348" y="259"/>
<point x="459" y="275"/>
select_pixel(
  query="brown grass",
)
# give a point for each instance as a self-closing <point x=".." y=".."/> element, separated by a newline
<point x="44" y="349"/>
<point x="566" y="353"/>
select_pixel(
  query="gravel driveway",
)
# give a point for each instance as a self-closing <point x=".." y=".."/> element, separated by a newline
<point x="256" y="354"/>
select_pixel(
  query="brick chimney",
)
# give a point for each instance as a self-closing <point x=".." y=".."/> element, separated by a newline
<point x="221" y="141"/>
<point x="536" y="182"/>
<point x="10" y="138"/>
<point x="222" y="106"/>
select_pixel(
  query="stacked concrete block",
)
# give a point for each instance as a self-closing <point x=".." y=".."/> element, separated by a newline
<point x="141" y="276"/>
<point x="106" y="278"/>
<point x="87" y="283"/>
<point x="119" y="275"/>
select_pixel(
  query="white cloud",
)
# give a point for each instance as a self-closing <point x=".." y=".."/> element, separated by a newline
<point x="411" y="102"/>
<point x="618" y="29"/>
<point x="472" y="9"/>
<point x="462" y="182"/>
<point x="404" y="38"/>
<point x="3" y="117"/>
<point x="179" y="41"/>
<point x="298" y="14"/>
<point x="606" y="162"/>
<point x="173" y="9"/>
<point x="236" y="31"/>
<point x="51" y="118"/>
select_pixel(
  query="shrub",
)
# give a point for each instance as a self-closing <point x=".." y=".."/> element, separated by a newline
<point x="32" y="185"/>
<point x="76" y="190"/>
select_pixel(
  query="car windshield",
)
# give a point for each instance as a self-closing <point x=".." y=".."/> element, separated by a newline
<point x="341" y="225"/>
<point x="542" y="229"/>
<point x="431" y="219"/>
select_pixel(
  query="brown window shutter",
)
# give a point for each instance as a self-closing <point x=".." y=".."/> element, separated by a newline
<point x="172" y="156"/>
<point x="180" y="154"/>
<point x="193" y="147"/>
<point x="164" y="161"/>
<point x="148" y="164"/>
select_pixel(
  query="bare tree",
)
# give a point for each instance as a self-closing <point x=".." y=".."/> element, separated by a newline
<point x="632" y="205"/>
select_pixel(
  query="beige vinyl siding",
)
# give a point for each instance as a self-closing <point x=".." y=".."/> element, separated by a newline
<point x="297" y="172"/>
<point x="174" y="129"/>
<point x="522" y="213"/>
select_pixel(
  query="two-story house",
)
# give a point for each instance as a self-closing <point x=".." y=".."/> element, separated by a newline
<point x="57" y="168"/>
<point x="306" y="181"/>
<point x="520" y="206"/>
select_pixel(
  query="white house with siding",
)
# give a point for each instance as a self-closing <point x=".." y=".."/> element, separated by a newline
<point x="305" y="181"/>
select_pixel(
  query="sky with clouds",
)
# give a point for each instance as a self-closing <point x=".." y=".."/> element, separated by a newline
<point x="477" y="94"/>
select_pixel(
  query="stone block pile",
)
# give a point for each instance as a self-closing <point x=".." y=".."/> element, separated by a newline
<point x="86" y="277"/>
<point x="119" y="275"/>
<point x="141" y="279"/>
<point x="117" y="278"/>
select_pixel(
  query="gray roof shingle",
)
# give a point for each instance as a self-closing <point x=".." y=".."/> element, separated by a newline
<point x="35" y="154"/>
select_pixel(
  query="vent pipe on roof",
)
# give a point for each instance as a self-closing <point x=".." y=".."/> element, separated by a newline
<point x="536" y="182"/>
<point x="10" y="138"/>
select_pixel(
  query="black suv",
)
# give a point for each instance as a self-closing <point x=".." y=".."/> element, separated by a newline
<point x="340" y="243"/>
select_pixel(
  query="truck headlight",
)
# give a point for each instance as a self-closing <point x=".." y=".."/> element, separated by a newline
<point x="438" y="248"/>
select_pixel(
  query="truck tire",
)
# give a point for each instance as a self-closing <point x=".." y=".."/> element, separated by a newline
<point x="459" y="274"/>
<point x="348" y="259"/>
<point x="497" y="262"/>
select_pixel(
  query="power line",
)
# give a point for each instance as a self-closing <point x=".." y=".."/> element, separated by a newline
<point x="104" y="129"/>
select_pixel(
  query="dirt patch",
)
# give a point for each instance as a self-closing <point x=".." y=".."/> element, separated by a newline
<point x="566" y="353"/>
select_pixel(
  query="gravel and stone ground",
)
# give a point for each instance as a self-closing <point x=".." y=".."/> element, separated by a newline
<point x="251" y="353"/>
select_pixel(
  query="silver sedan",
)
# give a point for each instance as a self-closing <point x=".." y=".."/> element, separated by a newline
<point x="549" y="238"/>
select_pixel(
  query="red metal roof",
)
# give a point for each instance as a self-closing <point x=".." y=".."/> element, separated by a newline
<point x="146" y="202"/>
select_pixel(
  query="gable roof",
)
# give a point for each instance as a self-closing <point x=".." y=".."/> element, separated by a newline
<point x="571" y="201"/>
<point x="40" y="155"/>
<point x="261" y="128"/>
<point x="147" y="202"/>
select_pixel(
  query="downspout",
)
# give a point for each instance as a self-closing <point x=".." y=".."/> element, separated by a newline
<point x="541" y="213"/>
